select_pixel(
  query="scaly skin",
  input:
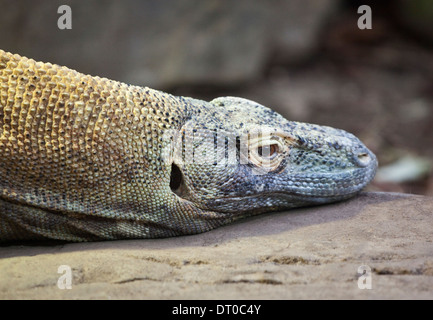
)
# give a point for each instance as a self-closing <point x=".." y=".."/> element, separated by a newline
<point x="85" y="158"/>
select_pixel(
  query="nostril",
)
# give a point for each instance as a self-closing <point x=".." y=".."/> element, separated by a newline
<point x="364" y="158"/>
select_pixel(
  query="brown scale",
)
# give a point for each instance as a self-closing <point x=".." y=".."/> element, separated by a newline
<point x="75" y="146"/>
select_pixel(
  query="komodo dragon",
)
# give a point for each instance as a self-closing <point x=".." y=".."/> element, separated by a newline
<point x="86" y="158"/>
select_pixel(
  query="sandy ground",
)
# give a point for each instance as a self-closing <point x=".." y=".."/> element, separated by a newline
<point x="309" y="253"/>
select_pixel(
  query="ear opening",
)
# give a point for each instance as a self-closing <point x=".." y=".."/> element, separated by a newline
<point x="176" y="178"/>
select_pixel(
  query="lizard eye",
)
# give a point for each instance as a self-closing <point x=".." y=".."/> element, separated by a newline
<point x="268" y="151"/>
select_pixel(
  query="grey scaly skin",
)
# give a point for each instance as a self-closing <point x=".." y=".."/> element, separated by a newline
<point x="85" y="158"/>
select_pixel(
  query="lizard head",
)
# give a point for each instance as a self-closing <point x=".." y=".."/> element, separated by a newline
<point x="234" y="155"/>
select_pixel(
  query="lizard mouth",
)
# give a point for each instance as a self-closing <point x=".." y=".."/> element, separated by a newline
<point x="301" y="190"/>
<point x="311" y="185"/>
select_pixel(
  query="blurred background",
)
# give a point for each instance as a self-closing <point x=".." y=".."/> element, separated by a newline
<point x="307" y="59"/>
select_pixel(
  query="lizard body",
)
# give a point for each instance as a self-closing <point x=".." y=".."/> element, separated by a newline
<point x="86" y="158"/>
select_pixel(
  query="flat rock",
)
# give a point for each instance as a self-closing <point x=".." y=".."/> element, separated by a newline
<point x="170" y="43"/>
<point x="308" y="253"/>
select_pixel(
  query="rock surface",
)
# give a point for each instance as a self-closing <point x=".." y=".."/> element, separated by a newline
<point x="166" y="43"/>
<point x="304" y="253"/>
